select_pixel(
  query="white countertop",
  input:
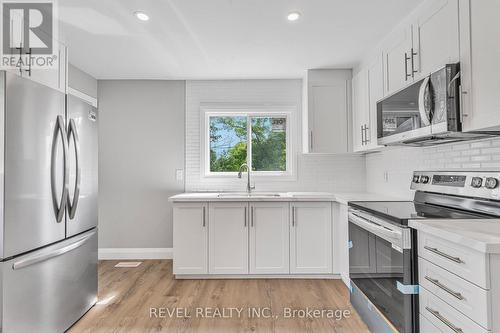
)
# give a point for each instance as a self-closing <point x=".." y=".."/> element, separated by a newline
<point x="345" y="197"/>
<point x="480" y="235"/>
<point x="255" y="196"/>
<point x="342" y="198"/>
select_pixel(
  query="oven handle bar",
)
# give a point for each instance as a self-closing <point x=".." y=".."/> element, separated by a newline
<point x="392" y="236"/>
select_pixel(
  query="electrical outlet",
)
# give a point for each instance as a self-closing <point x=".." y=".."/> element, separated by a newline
<point x="179" y="174"/>
<point x="386" y="176"/>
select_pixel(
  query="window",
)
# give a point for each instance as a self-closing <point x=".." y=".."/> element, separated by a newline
<point x="257" y="138"/>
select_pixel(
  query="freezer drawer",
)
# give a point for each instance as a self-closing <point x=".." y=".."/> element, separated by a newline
<point x="50" y="289"/>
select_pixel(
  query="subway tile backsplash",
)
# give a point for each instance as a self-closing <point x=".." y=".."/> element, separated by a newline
<point x="400" y="163"/>
<point x="314" y="172"/>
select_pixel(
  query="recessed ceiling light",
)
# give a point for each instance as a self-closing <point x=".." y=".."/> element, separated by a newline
<point x="293" y="16"/>
<point x="141" y="15"/>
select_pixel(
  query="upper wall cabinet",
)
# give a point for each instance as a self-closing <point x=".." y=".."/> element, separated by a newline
<point x="328" y="111"/>
<point x="435" y="36"/>
<point x="398" y="59"/>
<point x="360" y="117"/>
<point x="39" y="70"/>
<point x="367" y="90"/>
<point x="479" y="59"/>
<point x="426" y="41"/>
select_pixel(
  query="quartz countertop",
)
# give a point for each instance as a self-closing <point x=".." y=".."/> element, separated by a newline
<point x="342" y="198"/>
<point x="480" y="235"/>
<point x="254" y="196"/>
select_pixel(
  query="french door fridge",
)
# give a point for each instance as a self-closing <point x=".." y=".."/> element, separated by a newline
<point x="48" y="207"/>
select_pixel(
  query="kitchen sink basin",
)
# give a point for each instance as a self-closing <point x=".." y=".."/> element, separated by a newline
<point x="249" y="195"/>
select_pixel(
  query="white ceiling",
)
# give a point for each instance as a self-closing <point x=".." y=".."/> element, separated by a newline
<point x="200" y="39"/>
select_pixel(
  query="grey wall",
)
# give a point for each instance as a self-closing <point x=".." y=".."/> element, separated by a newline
<point x="79" y="80"/>
<point x="141" y="144"/>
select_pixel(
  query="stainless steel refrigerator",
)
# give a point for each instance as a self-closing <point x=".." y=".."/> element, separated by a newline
<point x="48" y="207"/>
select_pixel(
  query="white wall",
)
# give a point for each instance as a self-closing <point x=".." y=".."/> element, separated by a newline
<point x="141" y="144"/>
<point x="313" y="172"/>
<point x="401" y="162"/>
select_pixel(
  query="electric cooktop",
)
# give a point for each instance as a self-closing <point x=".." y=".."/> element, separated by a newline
<point x="400" y="212"/>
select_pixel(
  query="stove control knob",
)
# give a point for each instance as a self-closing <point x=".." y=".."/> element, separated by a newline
<point x="477" y="182"/>
<point x="416" y="178"/>
<point x="491" y="183"/>
<point x="424" y="179"/>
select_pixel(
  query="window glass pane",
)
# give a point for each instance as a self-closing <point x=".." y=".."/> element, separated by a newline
<point x="228" y="143"/>
<point x="269" y="143"/>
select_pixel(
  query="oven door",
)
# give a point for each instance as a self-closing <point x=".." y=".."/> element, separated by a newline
<point x="381" y="269"/>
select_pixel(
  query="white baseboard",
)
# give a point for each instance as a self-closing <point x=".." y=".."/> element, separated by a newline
<point x="135" y="253"/>
<point x="257" y="276"/>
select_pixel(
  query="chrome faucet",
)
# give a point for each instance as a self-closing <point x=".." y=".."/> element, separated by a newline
<point x="249" y="186"/>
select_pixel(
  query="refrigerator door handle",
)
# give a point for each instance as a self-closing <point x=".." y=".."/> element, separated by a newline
<point x="59" y="206"/>
<point x="72" y="205"/>
<point x="46" y="256"/>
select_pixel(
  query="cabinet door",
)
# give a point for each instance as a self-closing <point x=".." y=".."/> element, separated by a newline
<point x="311" y="238"/>
<point x="228" y="238"/>
<point x="362" y="255"/>
<point x="479" y="59"/>
<point x="397" y="59"/>
<point x="269" y="238"/>
<point x="359" y="109"/>
<point x="435" y="36"/>
<point x="190" y="238"/>
<point x="329" y="118"/>
<point x="54" y="77"/>
<point x="375" y="93"/>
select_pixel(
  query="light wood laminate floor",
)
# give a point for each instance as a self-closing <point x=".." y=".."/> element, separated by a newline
<point x="129" y="297"/>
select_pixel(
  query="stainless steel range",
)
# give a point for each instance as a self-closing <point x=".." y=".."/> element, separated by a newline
<point x="383" y="249"/>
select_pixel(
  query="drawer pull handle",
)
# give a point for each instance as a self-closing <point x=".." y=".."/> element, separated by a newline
<point x="444" y="320"/>
<point x="445" y="288"/>
<point x="444" y="255"/>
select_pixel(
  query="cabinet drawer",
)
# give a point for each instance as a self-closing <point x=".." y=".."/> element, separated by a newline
<point x="427" y="327"/>
<point x="445" y="317"/>
<point x="459" y="293"/>
<point x="464" y="262"/>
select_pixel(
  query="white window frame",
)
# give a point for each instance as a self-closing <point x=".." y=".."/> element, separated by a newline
<point x="249" y="112"/>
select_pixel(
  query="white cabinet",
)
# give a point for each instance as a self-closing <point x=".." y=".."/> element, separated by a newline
<point x="311" y="238"/>
<point x="255" y="239"/>
<point x="269" y="238"/>
<point x="328" y="110"/>
<point x="190" y="238"/>
<point x="397" y="58"/>
<point x="55" y="75"/>
<point x="479" y="59"/>
<point x="228" y="238"/>
<point x="426" y="41"/>
<point x="375" y="94"/>
<point x="435" y="36"/>
<point x="367" y="90"/>
<point x="360" y="110"/>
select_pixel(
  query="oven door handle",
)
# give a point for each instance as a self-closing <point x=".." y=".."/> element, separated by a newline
<point x="392" y="236"/>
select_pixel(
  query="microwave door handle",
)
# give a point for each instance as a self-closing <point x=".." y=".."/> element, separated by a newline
<point x="421" y="102"/>
<point x="450" y="85"/>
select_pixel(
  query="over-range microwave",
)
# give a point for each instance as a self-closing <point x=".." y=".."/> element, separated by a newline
<point x="424" y="113"/>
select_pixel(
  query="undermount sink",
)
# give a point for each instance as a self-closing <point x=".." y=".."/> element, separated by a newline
<point x="249" y="195"/>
